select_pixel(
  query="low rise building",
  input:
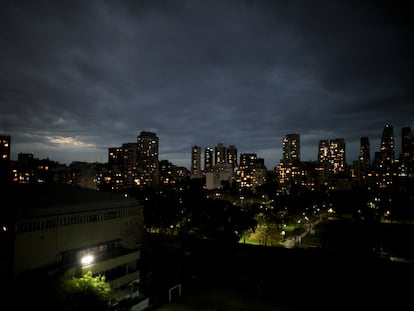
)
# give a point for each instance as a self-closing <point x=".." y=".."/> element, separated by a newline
<point x="67" y="230"/>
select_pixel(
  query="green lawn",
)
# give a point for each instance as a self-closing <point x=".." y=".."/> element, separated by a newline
<point x="271" y="236"/>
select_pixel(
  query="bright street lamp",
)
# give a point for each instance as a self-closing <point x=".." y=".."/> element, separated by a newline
<point x="86" y="260"/>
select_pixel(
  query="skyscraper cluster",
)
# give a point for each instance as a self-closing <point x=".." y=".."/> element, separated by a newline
<point x="136" y="165"/>
<point x="223" y="169"/>
<point x="331" y="171"/>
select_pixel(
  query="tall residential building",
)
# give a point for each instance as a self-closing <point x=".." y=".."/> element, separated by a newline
<point x="387" y="144"/>
<point x="129" y="164"/>
<point x="247" y="160"/>
<point x="324" y="166"/>
<point x="407" y="142"/>
<point x="288" y="169"/>
<point x="208" y="159"/>
<point x="5" y="176"/>
<point x="196" y="162"/>
<point x="147" y="159"/>
<point x="387" y="171"/>
<point x="362" y="167"/>
<point x="122" y="164"/>
<point x="115" y="178"/>
<point x="220" y="154"/>
<point x="376" y="162"/>
<point x="171" y="174"/>
<point x="364" y="153"/>
<point x="251" y="172"/>
<point x="407" y="150"/>
<point x="291" y="147"/>
<point x="232" y="156"/>
<point x="5" y="141"/>
<point x="323" y="151"/>
<point x="115" y="156"/>
<point x="337" y="155"/>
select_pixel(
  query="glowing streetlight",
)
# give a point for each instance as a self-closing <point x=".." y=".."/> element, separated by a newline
<point x="87" y="260"/>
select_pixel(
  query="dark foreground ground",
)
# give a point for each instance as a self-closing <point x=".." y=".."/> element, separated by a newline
<point x="299" y="280"/>
<point x="216" y="276"/>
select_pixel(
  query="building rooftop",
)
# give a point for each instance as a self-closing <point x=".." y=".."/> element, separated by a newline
<point x="27" y="199"/>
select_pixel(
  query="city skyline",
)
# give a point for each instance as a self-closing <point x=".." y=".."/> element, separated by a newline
<point x="364" y="145"/>
<point x="81" y="77"/>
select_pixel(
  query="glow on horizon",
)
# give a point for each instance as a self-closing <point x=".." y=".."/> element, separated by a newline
<point x="68" y="141"/>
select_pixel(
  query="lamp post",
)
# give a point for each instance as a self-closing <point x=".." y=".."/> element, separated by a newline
<point x="309" y="224"/>
<point x="84" y="261"/>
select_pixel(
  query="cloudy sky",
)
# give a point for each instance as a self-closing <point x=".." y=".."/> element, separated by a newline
<point x="79" y="77"/>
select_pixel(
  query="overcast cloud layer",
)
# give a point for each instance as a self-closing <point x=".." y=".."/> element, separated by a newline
<point x="78" y="77"/>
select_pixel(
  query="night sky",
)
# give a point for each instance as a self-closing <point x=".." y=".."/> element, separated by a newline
<point x="79" y="77"/>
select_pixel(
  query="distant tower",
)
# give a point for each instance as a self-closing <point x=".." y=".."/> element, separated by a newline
<point x="376" y="162"/>
<point x="247" y="160"/>
<point x="323" y="151"/>
<point x="407" y="150"/>
<point x="248" y="169"/>
<point x="208" y="159"/>
<point x="291" y="148"/>
<point x="129" y="162"/>
<point x="407" y="142"/>
<point x="147" y="158"/>
<point x="364" y="161"/>
<point x="115" y="156"/>
<point x="387" y="172"/>
<point x="116" y="171"/>
<point x="288" y="169"/>
<point x="232" y="156"/>
<point x="195" y="162"/>
<point x="387" y="145"/>
<point x="5" y="142"/>
<point x="337" y="155"/>
<point x="220" y="154"/>
<point x="364" y="154"/>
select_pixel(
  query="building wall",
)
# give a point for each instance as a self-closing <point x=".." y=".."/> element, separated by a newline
<point x="220" y="174"/>
<point x="41" y="241"/>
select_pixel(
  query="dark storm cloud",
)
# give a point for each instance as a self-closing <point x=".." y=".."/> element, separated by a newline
<point x="82" y="76"/>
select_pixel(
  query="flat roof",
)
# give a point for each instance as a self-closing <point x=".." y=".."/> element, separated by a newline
<point x="25" y="199"/>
